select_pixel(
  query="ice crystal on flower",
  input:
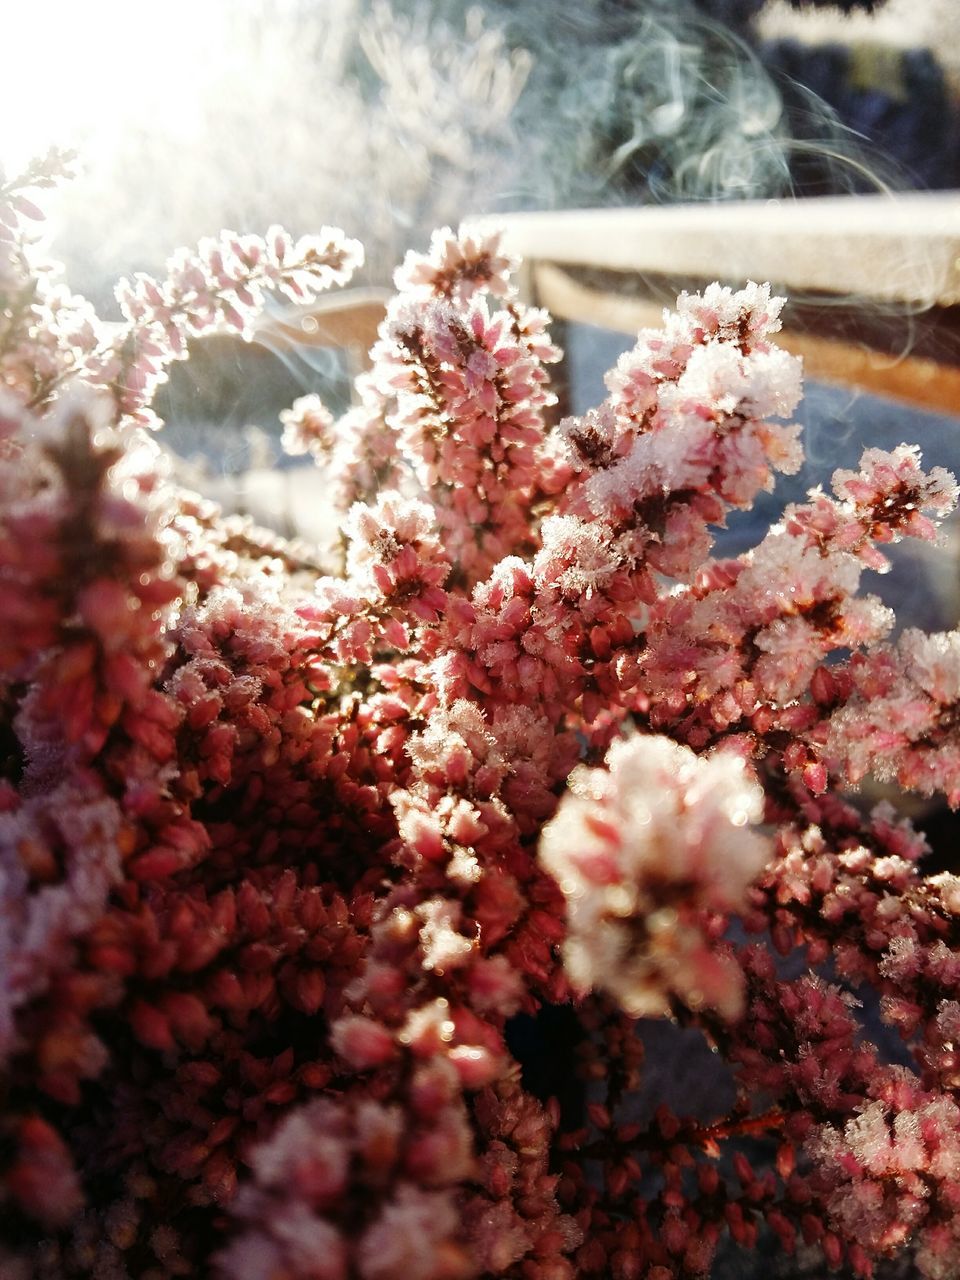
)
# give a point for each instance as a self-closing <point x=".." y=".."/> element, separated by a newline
<point x="290" y="864"/>
<point x="642" y="850"/>
<point x="307" y="427"/>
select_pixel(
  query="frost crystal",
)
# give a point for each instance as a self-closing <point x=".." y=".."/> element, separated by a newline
<point x="301" y="874"/>
<point x="646" y="851"/>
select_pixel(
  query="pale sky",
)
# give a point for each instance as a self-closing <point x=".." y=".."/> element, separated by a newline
<point x="72" y="73"/>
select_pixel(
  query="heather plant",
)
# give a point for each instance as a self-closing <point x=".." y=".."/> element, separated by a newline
<point x="289" y="107"/>
<point x="287" y="855"/>
<point x="295" y="107"/>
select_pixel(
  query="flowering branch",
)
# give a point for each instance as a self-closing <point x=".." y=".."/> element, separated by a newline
<point x="288" y="861"/>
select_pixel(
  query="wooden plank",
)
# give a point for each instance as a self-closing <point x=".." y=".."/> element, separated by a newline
<point x="347" y="319"/>
<point x="915" y="380"/>
<point x="903" y="248"/>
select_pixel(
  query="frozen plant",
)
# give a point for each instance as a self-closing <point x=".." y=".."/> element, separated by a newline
<point x="287" y="857"/>
<point x="410" y="97"/>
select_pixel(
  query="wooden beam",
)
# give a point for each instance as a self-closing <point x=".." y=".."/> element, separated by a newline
<point x="347" y="319"/>
<point x="914" y="380"/>
<point x="903" y="248"/>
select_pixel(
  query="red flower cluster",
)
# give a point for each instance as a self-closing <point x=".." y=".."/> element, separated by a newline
<point x="286" y="859"/>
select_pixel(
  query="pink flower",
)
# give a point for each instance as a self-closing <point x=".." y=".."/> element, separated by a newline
<point x="639" y="850"/>
<point x="307" y="427"/>
<point x="283" y="855"/>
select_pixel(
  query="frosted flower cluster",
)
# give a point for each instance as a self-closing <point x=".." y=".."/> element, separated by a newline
<point x="641" y="849"/>
<point x="331" y="895"/>
<point x="307" y="427"/>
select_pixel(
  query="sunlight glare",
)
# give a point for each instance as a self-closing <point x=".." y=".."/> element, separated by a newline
<point x="77" y="75"/>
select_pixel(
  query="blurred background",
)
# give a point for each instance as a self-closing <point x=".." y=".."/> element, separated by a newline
<point x="392" y="117"/>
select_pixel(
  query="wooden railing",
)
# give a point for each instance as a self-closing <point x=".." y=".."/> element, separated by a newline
<point x="873" y="281"/>
<point x="347" y="320"/>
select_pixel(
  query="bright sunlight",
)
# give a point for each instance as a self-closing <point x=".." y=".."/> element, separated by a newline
<point x="109" y="65"/>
